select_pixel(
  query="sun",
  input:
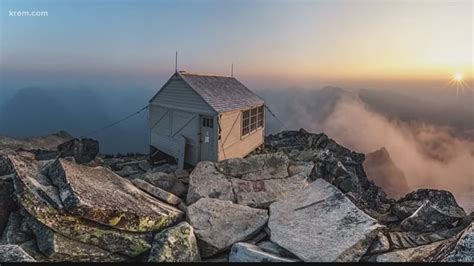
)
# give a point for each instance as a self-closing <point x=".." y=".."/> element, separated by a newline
<point x="458" y="77"/>
<point x="457" y="82"/>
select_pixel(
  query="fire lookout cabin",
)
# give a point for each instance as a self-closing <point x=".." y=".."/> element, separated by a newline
<point x="196" y="117"/>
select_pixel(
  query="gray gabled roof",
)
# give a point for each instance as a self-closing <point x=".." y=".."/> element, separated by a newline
<point x="220" y="92"/>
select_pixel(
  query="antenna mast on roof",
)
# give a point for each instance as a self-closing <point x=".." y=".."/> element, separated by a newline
<point x="176" y="62"/>
<point x="232" y="70"/>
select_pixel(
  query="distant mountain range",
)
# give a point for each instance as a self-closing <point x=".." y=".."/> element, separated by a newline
<point x="459" y="115"/>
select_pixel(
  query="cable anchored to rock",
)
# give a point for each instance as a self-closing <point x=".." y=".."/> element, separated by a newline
<point x="117" y="122"/>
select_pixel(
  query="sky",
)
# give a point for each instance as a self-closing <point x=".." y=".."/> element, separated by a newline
<point x="272" y="44"/>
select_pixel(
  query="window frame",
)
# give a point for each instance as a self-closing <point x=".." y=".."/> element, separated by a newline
<point x="260" y="117"/>
<point x="252" y="119"/>
<point x="207" y="122"/>
<point x="245" y="123"/>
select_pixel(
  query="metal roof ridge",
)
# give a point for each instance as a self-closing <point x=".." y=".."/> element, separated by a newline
<point x="181" y="72"/>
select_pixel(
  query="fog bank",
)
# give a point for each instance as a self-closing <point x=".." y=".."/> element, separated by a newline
<point x="430" y="156"/>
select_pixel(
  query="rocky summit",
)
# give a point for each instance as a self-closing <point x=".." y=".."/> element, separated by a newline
<point x="300" y="198"/>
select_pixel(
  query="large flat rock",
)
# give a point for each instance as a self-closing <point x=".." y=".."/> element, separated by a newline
<point x="321" y="224"/>
<point x="207" y="181"/>
<point x="262" y="193"/>
<point x="100" y="195"/>
<point x="218" y="224"/>
<point x="256" y="181"/>
<point x="256" y="167"/>
<point x="36" y="202"/>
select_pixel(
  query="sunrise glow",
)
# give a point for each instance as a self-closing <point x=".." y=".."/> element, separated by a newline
<point x="318" y="42"/>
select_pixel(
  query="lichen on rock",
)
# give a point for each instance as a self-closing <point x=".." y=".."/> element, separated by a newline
<point x="87" y="192"/>
<point x="175" y="244"/>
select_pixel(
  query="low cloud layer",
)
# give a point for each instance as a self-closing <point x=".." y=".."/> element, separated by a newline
<point x="430" y="156"/>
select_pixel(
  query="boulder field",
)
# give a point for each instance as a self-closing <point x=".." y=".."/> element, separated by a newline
<point x="300" y="198"/>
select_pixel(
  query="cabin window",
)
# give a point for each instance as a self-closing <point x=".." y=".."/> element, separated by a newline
<point x="260" y="117"/>
<point x="207" y="122"/>
<point x="246" y="122"/>
<point x="252" y="119"/>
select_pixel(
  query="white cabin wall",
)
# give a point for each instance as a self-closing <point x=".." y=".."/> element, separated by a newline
<point x="231" y="141"/>
<point x="165" y="133"/>
<point x="176" y="94"/>
<point x="179" y="108"/>
<point x="162" y="127"/>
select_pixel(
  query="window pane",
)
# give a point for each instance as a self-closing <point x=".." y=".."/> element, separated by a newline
<point x="208" y="122"/>
<point x="260" y="116"/>
<point x="253" y="111"/>
<point x="253" y="119"/>
<point x="253" y="126"/>
<point x="245" y="122"/>
<point x="245" y="130"/>
<point x="246" y="114"/>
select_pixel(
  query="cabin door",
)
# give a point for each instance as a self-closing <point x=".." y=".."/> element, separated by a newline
<point x="207" y="138"/>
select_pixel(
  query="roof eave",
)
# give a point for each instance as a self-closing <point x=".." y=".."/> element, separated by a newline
<point x="200" y="96"/>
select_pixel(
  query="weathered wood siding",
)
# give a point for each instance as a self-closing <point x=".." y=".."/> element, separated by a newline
<point x="176" y="94"/>
<point x="234" y="145"/>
